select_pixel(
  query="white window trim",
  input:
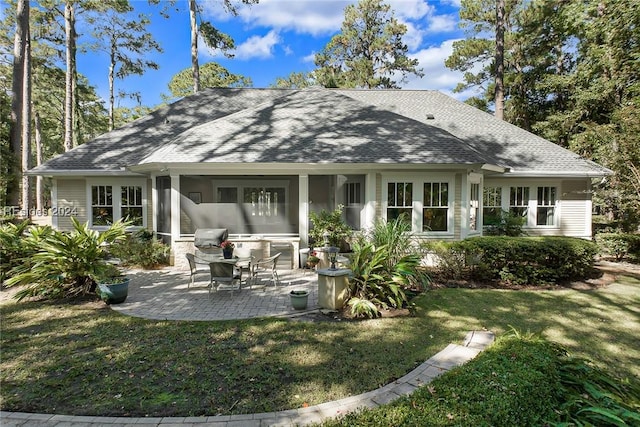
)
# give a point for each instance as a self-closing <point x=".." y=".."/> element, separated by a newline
<point x="418" y="180"/>
<point x="532" y="206"/>
<point x="477" y="180"/>
<point x="116" y="184"/>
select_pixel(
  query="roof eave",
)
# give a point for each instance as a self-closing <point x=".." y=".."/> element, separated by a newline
<point x="558" y="174"/>
<point x="82" y="172"/>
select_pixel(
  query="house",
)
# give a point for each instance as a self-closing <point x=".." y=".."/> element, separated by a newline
<point x="256" y="161"/>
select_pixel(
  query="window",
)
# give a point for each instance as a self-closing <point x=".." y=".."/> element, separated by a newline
<point x="435" y="208"/>
<point x="399" y="200"/>
<point x="474" y="204"/>
<point x="545" y="213"/>
<point x="116" y="200"/>
<point x="131" y="204"/>
<point x="519" y="201"/>
<point x="353" y="194"/>
<point x="492" y="205"/>
<point x="101" y="205"/>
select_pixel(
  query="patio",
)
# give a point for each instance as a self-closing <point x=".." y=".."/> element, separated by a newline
<point x="163" y="295"/>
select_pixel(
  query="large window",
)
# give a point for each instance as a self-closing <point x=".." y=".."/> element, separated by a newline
<point x="435" y="206"/>
<point x="426" y="201"/>
<point x="116" y="201"/>
<point x="131" y="204"/>
<point x="101" y="205"/>
<point x="546" y="206"/>
<point x="519" y="201"/>
<point x="491" y="204"/>
<point x="399" y="200"/>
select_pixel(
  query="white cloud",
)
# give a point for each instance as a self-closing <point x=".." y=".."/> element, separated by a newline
<point x="442" y="24"/>
<point x="436" y="75"/>
<point x="260" y="47"/>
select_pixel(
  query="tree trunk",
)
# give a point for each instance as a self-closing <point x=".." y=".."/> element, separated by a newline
<point x="17" y="100"/>
<point x="194" y="46"/>
<point x="26" y="118"/>
<point x="39" y="179"/>
<point x="112" y="66"/>
<point x="69" y="98"/>
<point x="499" y="93"/>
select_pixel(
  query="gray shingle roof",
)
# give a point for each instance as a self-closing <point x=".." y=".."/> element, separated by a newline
<point x="506" y="144"/>
<point x="316" y="125"/>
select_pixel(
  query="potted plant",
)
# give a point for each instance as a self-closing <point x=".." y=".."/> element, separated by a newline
<point x="312" y="259"/>
<point x="299" y="299"/>
<point x="227" y="249"/>
<point x="111" y="284"/>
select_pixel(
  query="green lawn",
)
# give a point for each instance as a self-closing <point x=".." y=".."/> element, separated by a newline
<point x="85" y="359"/>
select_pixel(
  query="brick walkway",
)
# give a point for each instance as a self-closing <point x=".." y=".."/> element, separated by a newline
<point x="163" y="294"/>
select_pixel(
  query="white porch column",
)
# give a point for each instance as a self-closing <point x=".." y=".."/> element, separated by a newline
<point x="464" y="206"/>
<point x="175" y="207"/>
<point x="54" y="204"/>
<point x="303" y="210"/>
<point x="370" y="201"/>
<point x="154" y="204"/>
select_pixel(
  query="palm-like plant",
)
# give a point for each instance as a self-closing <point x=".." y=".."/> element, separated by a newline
<point x="383" y="266"/>
<point x="67" y="263"/>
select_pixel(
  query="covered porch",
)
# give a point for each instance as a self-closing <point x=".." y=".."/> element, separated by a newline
<point x="265" y="213"/>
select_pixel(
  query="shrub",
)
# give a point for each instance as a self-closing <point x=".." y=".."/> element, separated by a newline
<point x="65" y="263"/>
<point x="384" y="264"/>
<point x="524" y="260"/>
<point x="619" y="245"/>
<point x="12" y="247"/>
<point x="451" y="263"/>
<point x="505" y="224"/>
<point x="332" y="224"/>
<point x="141" y="249"/>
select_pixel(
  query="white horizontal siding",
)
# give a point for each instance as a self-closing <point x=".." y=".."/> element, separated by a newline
<point x="72" y="196"/>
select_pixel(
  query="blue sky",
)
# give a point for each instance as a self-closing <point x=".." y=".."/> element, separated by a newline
<point x="276" y="37"/>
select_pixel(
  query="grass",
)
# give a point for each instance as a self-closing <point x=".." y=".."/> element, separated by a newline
<point x="85" y="359"/>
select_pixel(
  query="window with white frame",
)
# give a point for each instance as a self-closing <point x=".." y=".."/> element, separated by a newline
<point x="546" y="206"/>
<point x="115" y="201"/>
<point x="353" y="193"/>
<point x="131" y="204"/>
<point x="519" y="201"/>
<point x="101" y="205"/>
<point x="435" y="206"/>
<point x="399" y="200"/>
<point x="491" y="204"/>
<point x="474" y="206"/>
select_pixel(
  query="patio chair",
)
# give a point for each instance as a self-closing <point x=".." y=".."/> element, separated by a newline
<point x="224" y="276"/>
<point x="194" y="269"/>
<point x="245" y="259"/>
<point x="266" y="266"/>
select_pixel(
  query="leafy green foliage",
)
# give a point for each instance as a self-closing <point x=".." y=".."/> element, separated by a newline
<point x="619" y="245"/>
<point x="523" y="260"/>
<point x="592" y="396"/>
<point x="368" y="52"/>
<point x="212" y="74"/>
<point x="384" y="264"/>
<point x="13" y="248"/>
<point x="141" y="249"/>
<point x="506" y="224"/>
<point x="65" y="264"/>
<point x="330" y="222"/>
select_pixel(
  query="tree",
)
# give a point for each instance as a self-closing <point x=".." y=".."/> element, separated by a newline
<point x="20" y="71"/>
<point x="499" y="92"/>
<point x="70" y="76"/>
<point x="368" y="52"/>
<point x="295" y="80"/>
<point x="125" y="41"/>
<point x="211" y="75"/>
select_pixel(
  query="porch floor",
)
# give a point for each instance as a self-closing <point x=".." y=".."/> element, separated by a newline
<point x="163" y="294"/>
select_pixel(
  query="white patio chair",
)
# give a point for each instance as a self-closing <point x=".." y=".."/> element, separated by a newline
<point x="194" y="269"/>
<point x="266" y="266"/>
<point x="224" y="276"/>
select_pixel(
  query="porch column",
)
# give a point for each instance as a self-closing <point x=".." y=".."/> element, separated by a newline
<point x="370" y="200"/>
<point x="175" y="206"/>
<point x="303" y="210"/>
<point x="54" y="204"/>
<point x="464" y="206"/>
<point x="154" y="204"/>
